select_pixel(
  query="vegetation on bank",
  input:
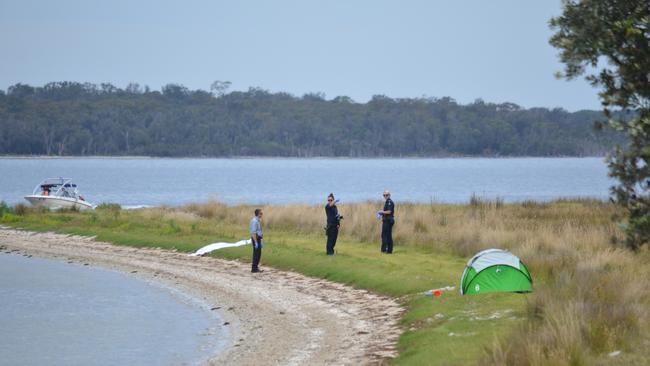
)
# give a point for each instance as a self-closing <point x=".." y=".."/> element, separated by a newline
<point x="69" y="118"/>
<point x="607" y="42"/>
<point x="591" y="297"/>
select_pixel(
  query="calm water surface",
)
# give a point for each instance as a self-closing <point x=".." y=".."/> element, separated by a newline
<point x="133" y="182"/>
<point x="54" y="313"/>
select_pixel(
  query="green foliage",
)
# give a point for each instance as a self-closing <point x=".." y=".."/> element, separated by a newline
<point x="172" y="228"/>
<point x="92" y="218"/>
<point x="20" y="209"/>
<point x="6" y="212"/>
<point x="5" y="208"/>
<point x="67" y="118"/>
<point x="609" y="40"/>
<point x="108" y="206"/>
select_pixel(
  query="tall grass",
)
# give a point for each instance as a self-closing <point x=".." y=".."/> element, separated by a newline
<point x="460" y="229"/>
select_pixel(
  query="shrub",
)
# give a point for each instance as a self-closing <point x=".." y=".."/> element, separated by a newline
<point x="108" y="206"/>
<point x="20" y="209"/>
<point x="4" y="208"/>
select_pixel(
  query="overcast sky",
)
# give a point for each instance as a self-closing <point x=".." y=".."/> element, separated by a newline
<point x="495" y="50"/>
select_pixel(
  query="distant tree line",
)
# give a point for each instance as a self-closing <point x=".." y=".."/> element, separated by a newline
<point x="69" y="118"/>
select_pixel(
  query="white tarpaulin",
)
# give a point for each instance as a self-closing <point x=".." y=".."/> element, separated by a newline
<point x="214" y="246"/>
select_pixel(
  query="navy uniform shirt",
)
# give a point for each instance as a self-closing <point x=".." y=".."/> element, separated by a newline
<point x="331" y="212"/>
<point x="389" y="206"/>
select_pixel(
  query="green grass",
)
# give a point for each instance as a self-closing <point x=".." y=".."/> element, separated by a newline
<point x="452" y="329"/>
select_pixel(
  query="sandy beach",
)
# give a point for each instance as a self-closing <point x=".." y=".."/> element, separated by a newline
<point x="274" y="317"/>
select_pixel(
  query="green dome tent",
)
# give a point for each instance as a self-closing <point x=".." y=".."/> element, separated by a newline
<point x="495" y="270"/>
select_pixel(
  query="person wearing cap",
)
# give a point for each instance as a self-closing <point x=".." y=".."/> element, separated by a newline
<point x="333" y="224"/>
<point x="255" y="229"/>
<point x="387" y="221"/>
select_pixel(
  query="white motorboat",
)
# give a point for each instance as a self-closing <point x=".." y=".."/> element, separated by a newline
<point x="58" y="193"/>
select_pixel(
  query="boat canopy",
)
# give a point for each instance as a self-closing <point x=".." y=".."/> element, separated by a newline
<point x="58" y="187"/>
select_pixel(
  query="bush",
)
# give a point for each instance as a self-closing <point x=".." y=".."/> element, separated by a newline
<point x="4" y="208"/>
<point x="108" y="206"/>
<point x="20" y="209"/>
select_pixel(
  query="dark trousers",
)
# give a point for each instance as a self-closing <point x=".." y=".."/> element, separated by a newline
<point x="257" y="255"/>
<point x="332" y="233"/>
<point x="387" y="236"/>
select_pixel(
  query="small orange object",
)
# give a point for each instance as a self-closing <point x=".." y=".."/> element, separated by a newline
<point x="437" y="293"/>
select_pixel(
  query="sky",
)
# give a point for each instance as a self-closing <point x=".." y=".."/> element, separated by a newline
<point x="494" y="50"/>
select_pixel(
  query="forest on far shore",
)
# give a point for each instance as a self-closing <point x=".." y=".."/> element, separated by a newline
<point x="83" y="119"/>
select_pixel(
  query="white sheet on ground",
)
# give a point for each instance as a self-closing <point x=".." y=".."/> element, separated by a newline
<point x="214" y="246"/>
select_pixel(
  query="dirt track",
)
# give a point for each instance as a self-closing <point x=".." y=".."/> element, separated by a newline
<point x="275" y="317"/>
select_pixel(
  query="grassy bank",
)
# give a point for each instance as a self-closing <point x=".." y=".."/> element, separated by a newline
<point x="590" y="298"/>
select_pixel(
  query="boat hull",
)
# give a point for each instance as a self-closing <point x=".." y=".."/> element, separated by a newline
<point x="56" y="203"/>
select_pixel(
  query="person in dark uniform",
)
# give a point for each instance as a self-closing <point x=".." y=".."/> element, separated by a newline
<point x="387" y="222"/>
<point x="333" y="224"/>
<point x="255" y="229"/>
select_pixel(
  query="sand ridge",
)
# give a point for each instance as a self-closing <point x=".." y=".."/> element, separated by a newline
<point x="275" y="317"/>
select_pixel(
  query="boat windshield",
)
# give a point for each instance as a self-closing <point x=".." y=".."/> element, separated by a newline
<point x="58" y="187"/>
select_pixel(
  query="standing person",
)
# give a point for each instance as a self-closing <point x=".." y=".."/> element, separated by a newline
<point x="333" y="224"/>
<point x="256" y="239"/>
<point x="387" y="222"/>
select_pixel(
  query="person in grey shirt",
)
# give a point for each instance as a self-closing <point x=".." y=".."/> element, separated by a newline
<point x="255" y="229"/>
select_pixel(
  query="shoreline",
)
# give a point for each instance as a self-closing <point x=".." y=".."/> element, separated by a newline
<point x="284" y="317"/>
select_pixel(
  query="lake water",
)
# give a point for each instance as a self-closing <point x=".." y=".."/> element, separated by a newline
<point x="54" y="313"/>
<point x="134" y="182"/>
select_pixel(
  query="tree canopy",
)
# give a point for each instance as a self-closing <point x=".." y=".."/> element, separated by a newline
<point x="609" y="42"/>
<point x="69" y="118"/>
